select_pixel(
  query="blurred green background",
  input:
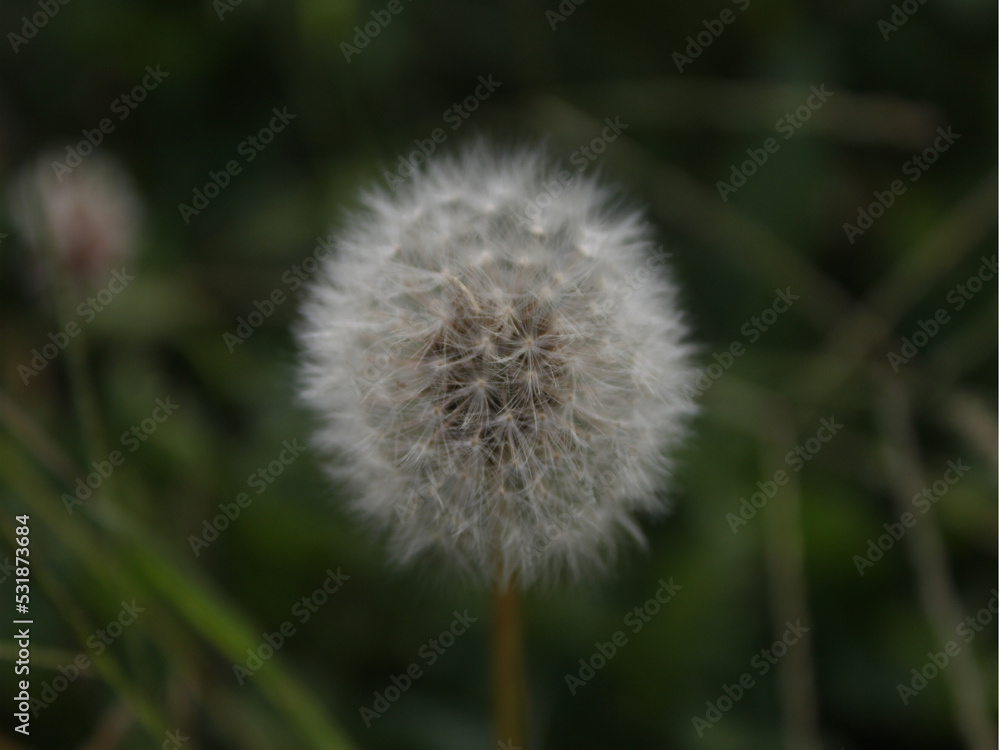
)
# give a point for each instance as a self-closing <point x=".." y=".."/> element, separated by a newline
<point x="167" y="677"/>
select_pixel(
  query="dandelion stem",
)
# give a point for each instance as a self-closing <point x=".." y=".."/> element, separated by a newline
<point x="508" y="665"/>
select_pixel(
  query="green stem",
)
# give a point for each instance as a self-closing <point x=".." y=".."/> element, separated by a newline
<point x="508" y="666"/>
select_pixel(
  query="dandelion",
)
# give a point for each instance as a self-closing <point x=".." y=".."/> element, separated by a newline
<point x="500" y="370"/>
<point x="82" y="227"/>
<point x="88" y="218"/>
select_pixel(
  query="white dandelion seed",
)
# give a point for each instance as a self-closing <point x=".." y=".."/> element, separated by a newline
<point x="499" y="374"/>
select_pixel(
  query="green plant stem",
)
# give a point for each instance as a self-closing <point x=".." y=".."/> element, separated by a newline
<point x="508" y="666"/>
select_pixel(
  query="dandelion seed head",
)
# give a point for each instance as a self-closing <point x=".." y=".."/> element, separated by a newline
<point x="500" y="381"/>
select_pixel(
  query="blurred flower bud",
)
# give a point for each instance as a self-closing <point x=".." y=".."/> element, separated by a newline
<point x="88" y="217"/>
